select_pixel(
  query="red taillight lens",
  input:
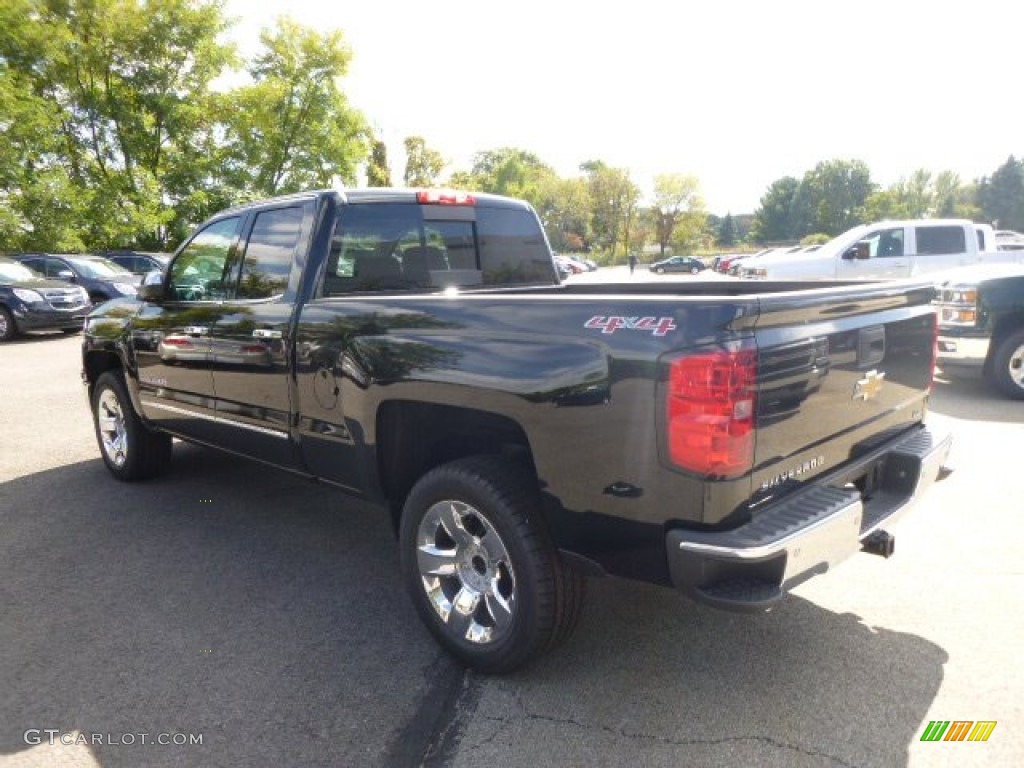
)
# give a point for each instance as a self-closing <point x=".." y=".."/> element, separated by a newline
<point x="444" y="197"/>
<point x="711" y="410"/>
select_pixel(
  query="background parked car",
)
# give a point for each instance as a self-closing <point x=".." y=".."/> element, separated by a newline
<point x="690" y="264"/>
<point x="30" y="302"/>
<point x="101" y="278"/>
<point x="139" y="262"/>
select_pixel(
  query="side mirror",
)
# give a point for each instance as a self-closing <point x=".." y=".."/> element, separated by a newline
<point x="152" y="288"/>
<point x="66" y="274"/>
<point x="860" y="251"/>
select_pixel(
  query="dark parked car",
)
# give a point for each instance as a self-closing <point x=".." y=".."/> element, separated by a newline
<point x="138" y="262"/>
<point x="30" y="302"/>
<point x="101" y="278"/>
<point x="689" y="264"/>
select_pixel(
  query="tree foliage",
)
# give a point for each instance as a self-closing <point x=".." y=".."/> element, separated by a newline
<point x="423" y="165"/>
<point x="292" y="128"/>
<point x="378" y="172"/>
<point x="614" y="200"/>
<point x="677" y="206"/>
<point x="772" y="220"/>
<point x="1001" y="195"/>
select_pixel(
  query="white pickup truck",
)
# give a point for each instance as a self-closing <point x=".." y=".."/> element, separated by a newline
<point x="889" y="249"/>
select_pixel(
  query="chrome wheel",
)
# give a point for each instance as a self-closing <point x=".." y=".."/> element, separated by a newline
<point x="466" y="572"/>
<point x="112" y="430"/>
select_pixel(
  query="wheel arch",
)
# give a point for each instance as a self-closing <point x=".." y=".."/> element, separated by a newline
<point x="1005" y="326"/>
<point x="415" y="437"/>
<point x="96" y="363"/>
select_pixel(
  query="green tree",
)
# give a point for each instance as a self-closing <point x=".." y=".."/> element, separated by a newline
<point x="115" y="93"/>
<point x="830" y="198"/>
<point x="564" y="207"/>
<point x="614" y="198"/>
<point x="423" y="165"/>
<point x="773" y="220"/>
<point x="727" y="232"/>
<point x="378" y="173"/>
<point x="292" y="128"/>
<point x="1001" y="195"/>
<point x="676" y="198"/>
<point x="508" y="171"/>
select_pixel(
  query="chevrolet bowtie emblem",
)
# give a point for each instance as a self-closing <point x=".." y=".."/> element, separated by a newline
<point x="869" y="386"/>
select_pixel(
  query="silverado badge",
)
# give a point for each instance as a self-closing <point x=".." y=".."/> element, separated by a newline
<point x="869" y="386"/>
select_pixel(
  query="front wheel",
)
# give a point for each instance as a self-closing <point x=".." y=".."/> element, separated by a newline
<point x="659" y="270"/>
<point x="694" y="270"/>
<point x="8" y="330"/>
<point x="129" y="449"/>
<point x="480" y="568"/>
<point x="1007" y="371"/>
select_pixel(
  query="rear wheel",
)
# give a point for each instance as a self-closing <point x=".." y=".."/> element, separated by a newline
<point x="8" y="330"/>
<point x="481" y="569"/>
<point x="1007" y="371"/>
<point x="129" y="449"/>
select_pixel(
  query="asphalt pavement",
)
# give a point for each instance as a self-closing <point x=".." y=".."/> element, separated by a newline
<point x="262" y="616"/>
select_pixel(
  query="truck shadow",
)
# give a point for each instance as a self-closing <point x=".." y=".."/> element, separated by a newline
<point x="688" y="685"/>
<point x="973" y="399"/>
<point x="256" y="609"/>
<point x="266" y="614"/>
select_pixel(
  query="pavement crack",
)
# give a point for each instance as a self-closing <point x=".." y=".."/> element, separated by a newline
<point x="504" y="723"/>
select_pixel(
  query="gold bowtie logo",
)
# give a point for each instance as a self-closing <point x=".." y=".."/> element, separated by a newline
<point x="869" y="386"/>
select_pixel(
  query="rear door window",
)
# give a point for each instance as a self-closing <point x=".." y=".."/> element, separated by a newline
<point x="937" y="241"/>
<point x="270" y="253"/>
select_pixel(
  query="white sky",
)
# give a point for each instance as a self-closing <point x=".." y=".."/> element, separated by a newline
<point x="736" y="92"/>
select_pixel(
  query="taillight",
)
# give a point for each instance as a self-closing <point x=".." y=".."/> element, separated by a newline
<point x="711" y="407"/>
<point x="444" y="197"/>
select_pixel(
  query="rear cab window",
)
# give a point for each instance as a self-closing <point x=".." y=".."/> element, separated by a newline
<point x="407" y="246"/>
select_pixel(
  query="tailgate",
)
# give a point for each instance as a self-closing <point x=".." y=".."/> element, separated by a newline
<point x="838" y="370"/>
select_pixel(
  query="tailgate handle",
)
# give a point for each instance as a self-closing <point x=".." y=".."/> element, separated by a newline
<point x="870" y="346"/>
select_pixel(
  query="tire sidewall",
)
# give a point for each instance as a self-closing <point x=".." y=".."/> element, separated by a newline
<point x="113" y="383"/>
<point x="1000" y="365"/>
<point x="12" y="328"/>
<point x="444" y="484"/>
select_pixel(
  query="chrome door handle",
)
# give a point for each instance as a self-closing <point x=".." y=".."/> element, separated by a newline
<point x="266" y="333"/>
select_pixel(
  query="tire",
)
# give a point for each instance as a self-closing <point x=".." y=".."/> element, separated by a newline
<point x="1007" y="366"/>
<point x="480" y="567"/>
<point x="8" y="328"/>
<point x="130" y="450"/>
<point x="70" y="331"/>
<point x="660" y="270"/>
<point x="694" y="270"/>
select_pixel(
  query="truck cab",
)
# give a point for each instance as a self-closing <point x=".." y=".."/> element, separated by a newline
<point x="890" y="250"/>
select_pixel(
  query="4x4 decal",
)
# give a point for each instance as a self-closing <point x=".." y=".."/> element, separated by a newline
<point x="659" y="326"/>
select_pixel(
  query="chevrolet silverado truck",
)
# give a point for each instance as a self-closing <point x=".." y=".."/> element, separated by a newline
<point x="981" y="326"/>
<point x="887" y="250"/>
<point x="416" y="348"/>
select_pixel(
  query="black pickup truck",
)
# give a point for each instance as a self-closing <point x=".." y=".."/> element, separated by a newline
<point x="981" y="326"/>
<point x="416" y="348"/>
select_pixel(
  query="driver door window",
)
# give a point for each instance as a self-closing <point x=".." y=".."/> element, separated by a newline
<point x="886" y="243"/>
<point x="205" y="269"/>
